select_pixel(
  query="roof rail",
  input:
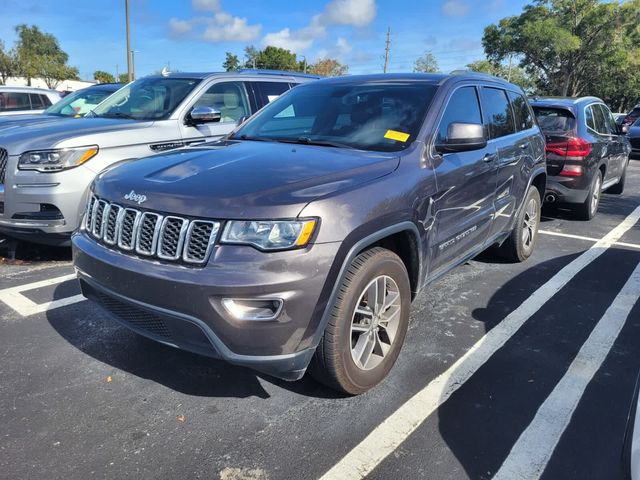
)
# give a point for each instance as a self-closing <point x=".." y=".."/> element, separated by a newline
<point x="477" y="74"/>
<point x="260" y="71"/>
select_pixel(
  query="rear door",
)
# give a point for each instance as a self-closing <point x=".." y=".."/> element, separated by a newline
<point x="617" y="149"/>
<point x="230" y="98"/>
<point x="466" y="185"/>
<point x="605" y="148"/>
<point x="266" y="92"/>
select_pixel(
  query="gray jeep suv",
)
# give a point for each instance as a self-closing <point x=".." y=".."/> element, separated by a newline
<point x="301" y="239"/>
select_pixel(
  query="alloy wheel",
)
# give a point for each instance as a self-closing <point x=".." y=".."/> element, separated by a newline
<point x="530" y="223"/>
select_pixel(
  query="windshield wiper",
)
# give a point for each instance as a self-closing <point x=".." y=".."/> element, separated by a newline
<point x="252" y="139"/>
<point x="310" y="141"/>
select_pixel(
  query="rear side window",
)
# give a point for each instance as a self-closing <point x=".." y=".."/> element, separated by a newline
<point x="267" y="92"/>
<point x="610" y="122"/>
<point x="497" y="112"/>
<point x="521" y="112"/>
<point x="39" y="102"/>
<point x="463" y="106"/>
<point x="557" y="120"/>
<point x="600" y="120"/>
<point x="12" y="101"/>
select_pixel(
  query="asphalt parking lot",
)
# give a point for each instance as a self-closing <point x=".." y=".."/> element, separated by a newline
<point x="508" y="371"/>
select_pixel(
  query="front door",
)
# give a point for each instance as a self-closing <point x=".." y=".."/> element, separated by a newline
<point x="466" y="181"/>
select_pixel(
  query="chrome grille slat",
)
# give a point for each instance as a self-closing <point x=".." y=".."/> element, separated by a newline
<point x="151" y="234"/>
<point x="4" y="158"/>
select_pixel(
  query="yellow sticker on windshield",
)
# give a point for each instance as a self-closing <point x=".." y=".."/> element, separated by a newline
<point x="398" y="136"/>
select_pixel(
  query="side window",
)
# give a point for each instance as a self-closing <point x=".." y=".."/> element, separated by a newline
<point x="497" y="112"/>
<point x="14" y="101"/>
<point x="36" y="101"/>
<point x="609" y="120"/>
<point x="463" y="106"/>
<point x="522" y="111"/>
<point x="600" y="121"/>
<point x="45" y="101"/>
<point x="230" y="98"/>
<point x="268" y="91"/>
<point x="589" y="118"/>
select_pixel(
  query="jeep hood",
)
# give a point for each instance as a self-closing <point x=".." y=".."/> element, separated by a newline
<point x="241" y="180"/>
<point x="13" y="121"/>
<point x="69" y="132"/>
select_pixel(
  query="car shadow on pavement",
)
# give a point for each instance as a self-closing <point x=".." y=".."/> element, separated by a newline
<point x="98" y="336"/>
<point x="18" y="252"/>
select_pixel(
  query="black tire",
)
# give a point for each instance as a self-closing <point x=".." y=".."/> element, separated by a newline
<point x="333" y="363"/>
<point x="518" y="246"/>
<point x="588" y="209"/>
<point x="618" y="188"/>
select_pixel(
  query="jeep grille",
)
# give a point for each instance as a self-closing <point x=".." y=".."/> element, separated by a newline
<point x="150" y="234"/>
<point x="3" y="164"/>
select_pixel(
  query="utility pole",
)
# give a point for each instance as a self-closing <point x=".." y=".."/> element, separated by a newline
<point x="129" y="51"/>
<point x="386" y="49"/>
<point x="117" y="74"/>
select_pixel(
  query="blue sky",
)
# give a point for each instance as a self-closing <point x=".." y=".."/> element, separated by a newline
<point x="193" y="35"/>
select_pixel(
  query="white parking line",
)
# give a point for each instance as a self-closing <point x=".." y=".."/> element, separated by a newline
<point x="387" y="436"/>
<point x="586" y="239"/>
<point x="14" y="298"/>
<point x="531" y="453"/>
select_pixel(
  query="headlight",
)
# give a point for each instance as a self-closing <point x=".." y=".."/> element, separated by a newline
<point x="56" y="160"/>
<point x="270" y="235"/>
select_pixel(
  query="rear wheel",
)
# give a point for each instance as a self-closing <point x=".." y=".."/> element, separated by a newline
<point x="368" y="324"/>
<point x="522" y="241"/>
<point x="588" y="209"/>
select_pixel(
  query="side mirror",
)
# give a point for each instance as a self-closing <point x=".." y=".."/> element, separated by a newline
<point x="204" y="115"/>
<point x="463" y="137"/>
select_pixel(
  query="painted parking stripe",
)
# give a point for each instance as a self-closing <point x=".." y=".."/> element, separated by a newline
<point x="24" y="306"/>
<point x="388" y="436"/>
<point x="531" y="453"/>
<point x="586" y="239"/>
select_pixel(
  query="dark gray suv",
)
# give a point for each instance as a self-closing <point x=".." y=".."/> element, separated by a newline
<point x="301" y="239"/>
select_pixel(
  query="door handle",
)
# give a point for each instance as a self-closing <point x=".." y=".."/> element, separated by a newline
<point x="489" y="157"/>
<point x="524" y="146"/>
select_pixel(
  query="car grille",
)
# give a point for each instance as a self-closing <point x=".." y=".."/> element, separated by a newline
<point x="150" y="234"/>
<point x="3" y="164"/>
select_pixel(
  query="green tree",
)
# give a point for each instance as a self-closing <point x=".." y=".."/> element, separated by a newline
<point x="250" y="56"/>
<point x="565" y="44"/>
<point x="275" y="58"/>
<point x="427" y="63"/>
<point x="328" y="67"/>
<point x="7" y="64"/>
<point x="231" y="62"/>
<point x="123" y="78"/>
<point x="510" y="72"/>
<point x="39" y="54"/>
<point x="101" y="76"/>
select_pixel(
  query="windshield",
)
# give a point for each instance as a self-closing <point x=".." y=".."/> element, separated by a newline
<point x="78" y="104"/>
<point x="147" y="99"/>
<point x="370" y="116"/>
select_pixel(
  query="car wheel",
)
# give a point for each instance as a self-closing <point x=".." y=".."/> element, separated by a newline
<point x="367" y="326"/>
<point x="618" y="188"/>
<point x="588" y="209"/>
<point x="522" y="240"/>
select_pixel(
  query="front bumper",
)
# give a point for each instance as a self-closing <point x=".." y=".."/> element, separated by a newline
<point x="181" y="306"/>
<point x="43" y="207"/>
<point x="567" y="189"/>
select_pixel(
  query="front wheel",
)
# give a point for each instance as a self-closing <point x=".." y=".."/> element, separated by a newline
<point x="522" y="240"/>
<point x="367" y="326"/>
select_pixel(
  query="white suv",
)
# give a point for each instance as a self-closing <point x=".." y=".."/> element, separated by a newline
<point x="20" y="100"/>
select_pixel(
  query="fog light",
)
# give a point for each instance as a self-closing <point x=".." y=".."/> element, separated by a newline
<point x="253" y="309"/>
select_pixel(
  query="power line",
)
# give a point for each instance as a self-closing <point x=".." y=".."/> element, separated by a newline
<point x="386" y="50"/>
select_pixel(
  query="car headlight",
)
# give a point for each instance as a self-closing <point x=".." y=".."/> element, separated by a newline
<point x="56" y="160"/>
<point x="270" y="234"/>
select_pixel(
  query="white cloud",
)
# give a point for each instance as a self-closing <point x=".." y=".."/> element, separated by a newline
<point x="219" y="27"/>
<point x="355" y="13"/>
<point x="455" y="8"/>
<point x="342" y="46"/>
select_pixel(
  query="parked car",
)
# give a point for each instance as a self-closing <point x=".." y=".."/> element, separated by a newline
<point x="586" y="152"/>
<point x="634" y="137"/>
<point x="75" y="105"/>
<point x="19" y="100"/>
<point x="631" y="118"/>
<point x="631" y="449"/>
<point x="49" y="167"/>
<point x="304" y="236"/>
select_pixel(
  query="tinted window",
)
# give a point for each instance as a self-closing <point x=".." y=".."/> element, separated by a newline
<point x="609" y="120"/>
<point x="45" y="101"/>
<point x="36" y="101"/>
<point x="149" y="98"/>
<point x="497" y="112"/>
<point x="230" y="98"/>
<point x="555" y="119"/>
<point x="590" y="121"/>
<point x="268" y="91"/>
<point x="600" y="120"/>
<point x="522" y="112"/>
<point x="463" y="106"/>
<point x="14" y="101"/>
<point x="370" y="116"/>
